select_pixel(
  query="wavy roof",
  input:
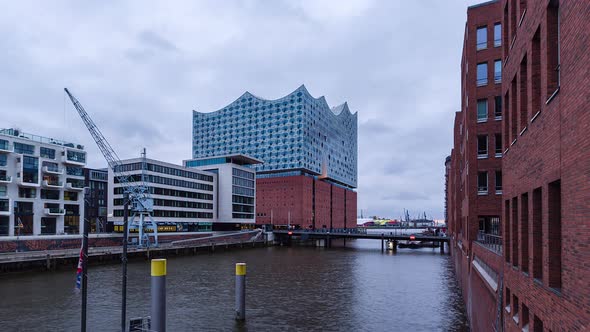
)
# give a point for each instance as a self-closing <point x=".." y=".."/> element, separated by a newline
<point x="337" y="110"/>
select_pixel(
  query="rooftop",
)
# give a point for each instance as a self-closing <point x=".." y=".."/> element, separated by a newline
<point x="239" y="159"/>
<point x="41" y="139"/>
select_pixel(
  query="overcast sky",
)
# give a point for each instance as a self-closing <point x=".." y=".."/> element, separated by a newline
<point x="140" y="67"/>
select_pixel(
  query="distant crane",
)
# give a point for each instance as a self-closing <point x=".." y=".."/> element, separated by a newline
<point x="142" y="204"/>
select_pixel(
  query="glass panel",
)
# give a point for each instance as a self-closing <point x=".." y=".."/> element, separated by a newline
<point x="497" y="35"/>
<point x="498" y="106"/>
<point x="498" y="71"/>
<point x="482" y="182"/>
<point x="47" y="153"/>
<point x="482" y="38"/>
<point x="482" y="74"/>
<point x="482" y="109"/>
<point x="24" y="148"/>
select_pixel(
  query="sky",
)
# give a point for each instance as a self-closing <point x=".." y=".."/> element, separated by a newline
<point x="140" y="68"/>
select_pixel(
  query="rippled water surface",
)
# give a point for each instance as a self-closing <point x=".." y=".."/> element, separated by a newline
<point x="356" y="288"/>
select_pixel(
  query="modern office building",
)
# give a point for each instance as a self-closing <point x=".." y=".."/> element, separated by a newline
<point x="309" y="155"/>
<point x="475" y="174"/>
<point x="546" y="199"/>
<point x="96" y="199"/>
<point x="236" y="187"/>
<point x="189" y="199"/>
<point x="41" y="185"/>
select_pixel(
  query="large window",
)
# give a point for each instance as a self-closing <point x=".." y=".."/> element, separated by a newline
<point x="24" y="148"/>
<point x="498" y="147"/>
<point x="76" y="156"/>
<point x="497" y="34"/>
<point x="30" y="169"/>
<point x="482" y="183"/>
<point x="482" y="146"/>
<point x="482" y="38"/>
<point x="3" y="159"/>
<point x="498" y="182"/>
<point x="4" y="226"/>
<point x="498" y="107"/>
<point x="554" y="234"/>
<point x="47" y="225"/>
<point x="498" y="71"/>
<point x="482" y="110"/>
<point x="76" y="171"/>
<point x="552" y="47"/>
<point x="47" y="153"/>
<point x="482" y="74"/>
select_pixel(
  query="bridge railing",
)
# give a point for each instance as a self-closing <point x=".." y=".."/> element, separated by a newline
<point x="490" y="241"/>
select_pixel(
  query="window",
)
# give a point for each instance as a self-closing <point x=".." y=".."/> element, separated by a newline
<point x="538" y="234"/>
<point x="507" y="299"/>
<point x="482" y="146"/>
<point x="4" y="226"/>
<point x="24" y="148"/>
<point x="498" y="107"/>
<point x="47" y="225"/>
<point x="514" y="210"/>
<point x="497" y="35"/>
<point x="47" y="153"/>
<point x="552" y="48"/>
<point x="537" y="95"/>
<point x="3" y="191"/>
<point x="3" y="160"/>
<point x="524" y="232"/>
<point x="482" y="74"/>
<point x="27" y="192"/>
<point x="507" y="235"/>
<point x="49" y="194"/>
<point x="498" y="71"/>
<point x="482" y="110"/>
<point x="498" y="182"/>
<point x="482" y="183"/>
<point x="524" y="100"/>
<point x="554" y="234"/>
<point x="482" y="38"/>
<point x="498" y="148"/>
<point x="515" y="308"/>
<point x="537" y="324"/>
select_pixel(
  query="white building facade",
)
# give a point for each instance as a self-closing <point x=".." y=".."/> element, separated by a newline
<point x="41" y="185"/>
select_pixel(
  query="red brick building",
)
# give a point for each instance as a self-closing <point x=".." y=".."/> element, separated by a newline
<point x="538" y="277"/>
<point x="304" y="201"/>
<point x="546" y="201"/>
<point x="474" y="190"/>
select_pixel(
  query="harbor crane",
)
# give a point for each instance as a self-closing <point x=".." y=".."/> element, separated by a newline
<point x="142" y="204"/>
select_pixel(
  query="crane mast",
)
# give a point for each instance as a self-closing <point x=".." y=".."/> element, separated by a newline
<point x="140" y="198"/>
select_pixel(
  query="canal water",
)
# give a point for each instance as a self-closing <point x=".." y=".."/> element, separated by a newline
<point x="356" y="288"/>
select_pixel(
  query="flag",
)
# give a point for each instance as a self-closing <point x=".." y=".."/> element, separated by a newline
<point x="79" y="271"/>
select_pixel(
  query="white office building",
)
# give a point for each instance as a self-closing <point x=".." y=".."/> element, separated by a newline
<point x="41" y="185"/>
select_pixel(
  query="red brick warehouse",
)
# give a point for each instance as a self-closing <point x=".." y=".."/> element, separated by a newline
<point x="546" y="208"/>
<point x="474" y="188"/>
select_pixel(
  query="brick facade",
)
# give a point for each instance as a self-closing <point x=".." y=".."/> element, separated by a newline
<point x="305" y="202"/>
<point x="547" y="182"/>
<point x="474" y="185"/>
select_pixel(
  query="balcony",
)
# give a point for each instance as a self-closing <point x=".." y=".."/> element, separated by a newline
<point x="54" y="212"/>
<point x="53" y="184"/>
<point x="74" y="158"/>
<point x="490" y="241"/>
<point x="75" y="186"/>
<point x="5" y="179"/>
<point x="53" y="170"/>
<point x="5" y="147"/>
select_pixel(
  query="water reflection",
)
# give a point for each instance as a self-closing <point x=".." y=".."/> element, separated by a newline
<point x="356" y="288"/>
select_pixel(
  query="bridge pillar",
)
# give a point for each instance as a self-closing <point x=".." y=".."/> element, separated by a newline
<point x="442" y="247"/>
<point x="394" y="246"/>
<point x="382" y="243"/>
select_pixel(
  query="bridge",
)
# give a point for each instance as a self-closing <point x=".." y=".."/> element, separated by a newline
<point x="284" y="235"/>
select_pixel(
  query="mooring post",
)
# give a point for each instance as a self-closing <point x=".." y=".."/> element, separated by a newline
<point x="442" y="247"/>
<point x="240" y="291"/>
<point x="158" y="293"/>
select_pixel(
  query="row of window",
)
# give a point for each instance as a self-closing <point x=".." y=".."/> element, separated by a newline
<point x="173" y="214"/>
<point x="517" y="98"/>
<point x="242" y="191"/>
<point x="482" y="109"/>
<point x="521" y="316"/>
<point x="517" y="232"/>
<point x="242" y="215"/>
<point x="171" y="192"/>
<point x="482" y="146"/>
<point x="242" y="173"/>
<point x="482" y="36"/>
<point x="242" y="182"/>
<point x="164" y="170"/>
<point x="482" y="182"/>
<point x="242" y="199"/>
<point x="48" y="225"/>
<point x="482" y="73"/>
<point x="168" y="181"/>
<point x="173" y="203"/>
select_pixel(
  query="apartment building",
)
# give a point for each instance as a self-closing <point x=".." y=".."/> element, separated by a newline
<point x="41" y="185"/>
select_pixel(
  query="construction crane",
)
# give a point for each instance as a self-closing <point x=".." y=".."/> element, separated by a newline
<point x="142" y="204"/>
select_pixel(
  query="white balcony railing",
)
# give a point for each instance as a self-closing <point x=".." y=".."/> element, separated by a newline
<point x="54" y="212"/>
<point x="53" y="170"/>
<point x="53" y="184"/>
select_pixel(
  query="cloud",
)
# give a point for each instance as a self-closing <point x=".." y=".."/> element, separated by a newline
<point x="140" y="67"/>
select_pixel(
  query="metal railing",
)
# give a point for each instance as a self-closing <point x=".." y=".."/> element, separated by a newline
<point x="490" y="241"/>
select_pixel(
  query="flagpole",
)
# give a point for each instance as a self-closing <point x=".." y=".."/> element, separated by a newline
<point x="84" y="266"/>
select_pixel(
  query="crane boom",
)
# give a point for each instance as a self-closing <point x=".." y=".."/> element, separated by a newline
<point x="138" y="194"/>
